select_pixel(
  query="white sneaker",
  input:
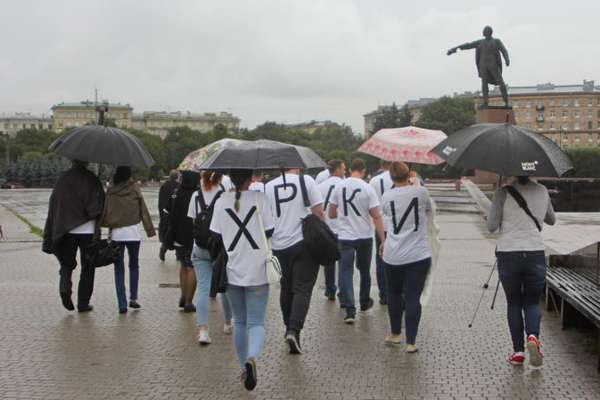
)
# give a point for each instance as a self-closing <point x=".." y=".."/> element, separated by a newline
<point x="203" y="337"/>
<point x="228" y="328"/>
<point x="411" y="348"/>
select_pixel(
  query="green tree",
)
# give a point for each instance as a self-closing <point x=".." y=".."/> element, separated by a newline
<point x="392" y="117"/>
<point x="447" y="114"/>
<point x="586" y="162"/>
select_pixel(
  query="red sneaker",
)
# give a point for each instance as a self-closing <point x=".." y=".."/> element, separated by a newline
<point x="516" y="358"/>
<point x="534" y="347"/>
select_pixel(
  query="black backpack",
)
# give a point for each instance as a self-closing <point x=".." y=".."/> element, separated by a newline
<point x="204" y="213"/>
<point x="320" y="241"/>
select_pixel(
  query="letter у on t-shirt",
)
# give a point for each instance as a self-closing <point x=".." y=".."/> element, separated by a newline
<point x="287" y="207"/>
<point x="327" y="188"/>
<point x="194" y="208"/>
<point x="404" y="209"/>
<point x="242" y="237"/>
<point x="354" y="198"/>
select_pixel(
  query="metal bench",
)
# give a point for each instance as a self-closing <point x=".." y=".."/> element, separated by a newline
<point x="572" y="284"/>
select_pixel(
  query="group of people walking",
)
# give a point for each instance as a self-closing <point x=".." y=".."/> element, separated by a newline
<point x="252" y="221"/>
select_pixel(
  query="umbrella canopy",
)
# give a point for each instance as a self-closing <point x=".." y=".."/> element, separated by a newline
<point x="505" y="149"/>
<point x="104" y="145"/>
<point x="196" y="158"/>
<point x="409" y="144"/>
<point x="263" y="154"/>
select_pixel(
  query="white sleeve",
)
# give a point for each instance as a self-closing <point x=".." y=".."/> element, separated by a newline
<point x="373" y="198"/>
<point x="192" y="206"/>
<point x="265" y="211"/>
<point x="314" y="195"/>
<point x="373" y="184"/>
<point x="218" y="213"/>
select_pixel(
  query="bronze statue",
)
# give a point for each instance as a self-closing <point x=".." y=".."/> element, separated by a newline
<point x="489" y="62"/>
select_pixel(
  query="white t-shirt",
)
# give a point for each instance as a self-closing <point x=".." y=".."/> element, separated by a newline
<point x="208" y="198"/>
<point x="354" y="198"/>
<point x="327" y="188"/>
<point x="257" y="187"/>
<point x="381" y="183"/>
<point x="404" y="209"/>
<point x="322" y="176"/>
<point x="84" y="229"/>
<point x="242" y="236"/>
<point x="129" y="233"/>
<point x="287" y="207"/>
<point x="227" y="184"/>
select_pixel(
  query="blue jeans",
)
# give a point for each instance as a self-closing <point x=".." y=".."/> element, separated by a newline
<point x="249" y="305"/>
<point x="329" y="272"/>
<point x="363" y="249"/>
<point x="203" y="267"/>
<point x="523" y="276"/>
<point x="380" y="270"/>
<point x="405" y="285"/>
<point x="133" y="251"/>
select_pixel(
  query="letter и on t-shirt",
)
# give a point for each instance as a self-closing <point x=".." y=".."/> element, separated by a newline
<point x="404" y="210"/>
<point x="242" y="238"/>
<point x="327" y="189"/>
<point x="287" y="207"/>
<point x="354" y="199"/>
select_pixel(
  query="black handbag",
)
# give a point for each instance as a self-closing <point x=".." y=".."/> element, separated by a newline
<point x="219" y="277"/>
<point x="102" y="252"/>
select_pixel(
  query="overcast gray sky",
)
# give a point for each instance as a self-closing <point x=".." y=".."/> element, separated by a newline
<point x="277" y="60"/>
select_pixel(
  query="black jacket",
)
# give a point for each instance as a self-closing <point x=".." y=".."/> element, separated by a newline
<point x="181" y="224"/>
<point x="77" y="198"/>
<point x="164" y="195"/>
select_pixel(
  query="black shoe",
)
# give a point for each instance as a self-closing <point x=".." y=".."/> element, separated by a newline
<point x="365" y="307"/>
<point x="181" y="302"/>
<point x="161" y="253"/>
<point x="66" y="301"/>
<point x="349" y="319"/>
<point x="122" y="310"/>
<point x="293" y="340"/>
<point x="383" y="302"/>
<point x="250" y="380"/>
<point x="134" y="304"/>
<point x="189" y="308"/>
<point x="85" y="308"/>
<point x="330" y="297"/>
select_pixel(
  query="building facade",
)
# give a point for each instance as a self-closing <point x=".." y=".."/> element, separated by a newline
<point x="567" y="114"/>
<point x="73" y="115"/>
<point x="10" y="125"/>
<point x="159" y="123"/>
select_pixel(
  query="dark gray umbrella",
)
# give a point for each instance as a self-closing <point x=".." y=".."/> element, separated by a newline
<point x="505" y="149"/>
<point x="104" y="145"/>
<point x="263" y="154"/>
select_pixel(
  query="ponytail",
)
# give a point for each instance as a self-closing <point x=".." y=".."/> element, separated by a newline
<point x="238" y="195"/>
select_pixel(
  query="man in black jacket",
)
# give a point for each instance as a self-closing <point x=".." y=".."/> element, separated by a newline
<point x="164" y="196"/>
<point x="76" y="204"/>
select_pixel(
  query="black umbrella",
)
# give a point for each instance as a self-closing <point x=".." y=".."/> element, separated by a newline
<point x="505" y="149"/>
<point x="104" y="145"/>
<point x="263" y="154"/>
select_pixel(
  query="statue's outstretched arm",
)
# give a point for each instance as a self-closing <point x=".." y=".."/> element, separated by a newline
<point x="465" y="46"/>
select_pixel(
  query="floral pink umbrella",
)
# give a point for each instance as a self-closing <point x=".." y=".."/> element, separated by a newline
<point x="409" y="144"/>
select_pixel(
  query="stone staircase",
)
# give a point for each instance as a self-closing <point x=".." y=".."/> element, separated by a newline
<point x="449" y="200"/>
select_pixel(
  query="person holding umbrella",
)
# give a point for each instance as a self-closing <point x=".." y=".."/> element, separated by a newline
<point x="164" y="195"/>
<point x="518" y="211"/>
<point x="76" y="205"/>
<point x="242" y="220"/>
<point x="124" y="209"/>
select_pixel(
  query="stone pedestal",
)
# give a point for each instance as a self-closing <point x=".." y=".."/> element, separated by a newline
<point x="496" y="115"/>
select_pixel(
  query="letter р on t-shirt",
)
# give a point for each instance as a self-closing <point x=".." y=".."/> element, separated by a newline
<point x="287" y="207"/>
<point x="404" y="210"/>
<point x="354" y="198"/>
<point x="242" y="238"/>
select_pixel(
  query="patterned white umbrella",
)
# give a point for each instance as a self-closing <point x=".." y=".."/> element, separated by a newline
<point x="409" y="144"/>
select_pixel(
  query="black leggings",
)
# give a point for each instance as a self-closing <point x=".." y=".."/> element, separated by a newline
<point x="405" y="285"/>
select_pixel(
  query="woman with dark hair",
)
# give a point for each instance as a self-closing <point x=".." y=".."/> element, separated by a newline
<point x="519" y="212"/>
<point x="124" y="209"/>
<point x="210" y="190"/>
<point x="243" y="221"/>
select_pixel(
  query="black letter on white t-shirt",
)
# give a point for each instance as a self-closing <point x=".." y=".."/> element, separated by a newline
<point x="242" y="228"/>
<point x="279" y="201"/>
<point x="327" y="197"/>
<point x="349" y="201"/>
<point x="414" y="204"/>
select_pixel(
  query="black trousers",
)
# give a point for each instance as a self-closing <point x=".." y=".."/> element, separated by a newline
<point x="66" y="253"/>
<point x="298" y="277"/>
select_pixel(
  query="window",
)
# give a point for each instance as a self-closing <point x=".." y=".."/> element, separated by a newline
<point x="24" y="126"/>
<point x="576" y="113"/>
<point x="577" y="126"/>
<point x="528" y="115"/>
<point x="6" y="124"/>
<point x="552" y="128"/>
<point x="590" y="114"/>
<point x="590" y="125"/>
<point x="565" y="114"/>
<point x="551" y="103"/>
<point x="528" y="103"/>
<point x="598" y="114"/>
<point x="576" y="102"/>
<point x="552" y="114"/>
<point x="518" y="104"/>
<point x="32" y="126"/>
<point x="590" y="101"/>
